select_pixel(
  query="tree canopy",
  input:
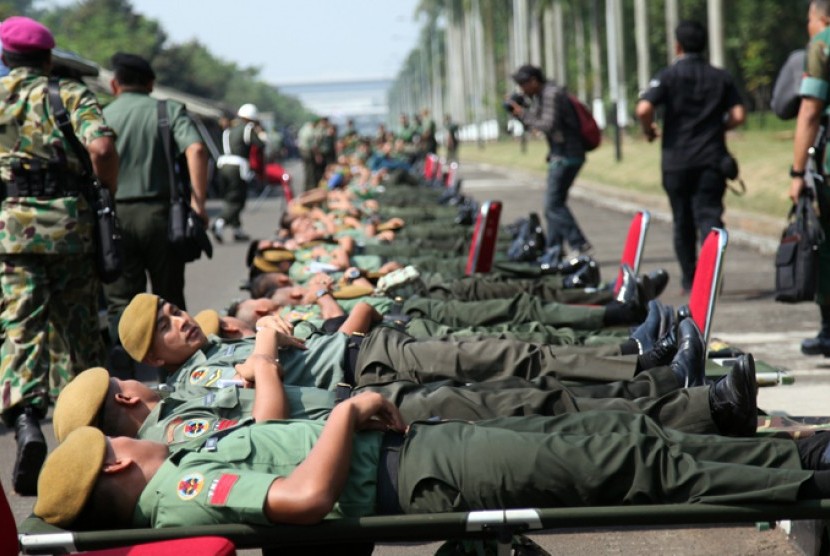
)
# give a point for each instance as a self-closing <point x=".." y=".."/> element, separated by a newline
<point x="96" y="29"/>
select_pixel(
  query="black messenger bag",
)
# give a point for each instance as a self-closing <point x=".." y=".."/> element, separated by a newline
<point x="796" y="261"/>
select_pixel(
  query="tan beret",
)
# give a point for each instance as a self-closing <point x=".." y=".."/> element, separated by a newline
<point x="352" y="291"/>
<point x="208" y="321"/>
<point x="265" y="265"/>
<point x="68" y="476"/>
<point x="385" y="226"/>
<point x="137" y="325"/>
<point x="79" y="403"/>
<point x="277" y="255"/>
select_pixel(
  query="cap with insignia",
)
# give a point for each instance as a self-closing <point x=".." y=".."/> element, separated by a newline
<point x="79" y="403"/>
<point x="137" y="325"/>
<point x="69" y="475"/>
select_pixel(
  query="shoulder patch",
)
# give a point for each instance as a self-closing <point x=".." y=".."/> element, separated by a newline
<point x="190" y="486"/>
<point x="196" y="376"/>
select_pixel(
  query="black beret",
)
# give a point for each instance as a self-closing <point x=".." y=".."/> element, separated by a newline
<point x="133" y="63"/>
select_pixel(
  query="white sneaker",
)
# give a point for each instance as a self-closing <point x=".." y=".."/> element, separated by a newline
<point x="217" y="228"/>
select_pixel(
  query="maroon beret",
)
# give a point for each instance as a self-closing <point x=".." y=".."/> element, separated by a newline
<point x="21" y="34"/>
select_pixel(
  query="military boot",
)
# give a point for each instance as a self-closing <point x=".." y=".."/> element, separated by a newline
<point x="31" y="452"/>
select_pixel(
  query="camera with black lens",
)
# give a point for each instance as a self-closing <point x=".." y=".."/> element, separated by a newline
<point x="518" y="98"/>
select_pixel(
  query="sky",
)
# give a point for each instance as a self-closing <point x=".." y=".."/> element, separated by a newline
<point x="296" y="41"/>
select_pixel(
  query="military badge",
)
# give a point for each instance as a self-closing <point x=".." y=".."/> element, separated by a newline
<point x="194" y="428"/>
<point x="196" y="376"/>
<point x="214" y="376"/>
<point x="190" y="486"/>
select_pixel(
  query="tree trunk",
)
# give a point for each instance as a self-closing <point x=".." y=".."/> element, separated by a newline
<point x="641" y="36"/>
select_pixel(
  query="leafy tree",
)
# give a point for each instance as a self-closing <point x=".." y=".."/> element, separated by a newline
<point x="96" y="29"/>
<point x="191" y="68"/>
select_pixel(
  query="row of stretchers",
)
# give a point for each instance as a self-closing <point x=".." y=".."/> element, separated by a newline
<point x="36" y="537"/>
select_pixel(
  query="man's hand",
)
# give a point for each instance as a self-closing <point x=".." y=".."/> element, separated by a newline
<point x="247" y="370"/>
<point x="796" y="187"/>
<point x="275" y="322"/>
<point x="651" y="132"/>
<point x="320" y="281"/>
<point x="283" y="330"/>
<point x="517" y="110"/>
<point x="374" y="412"/>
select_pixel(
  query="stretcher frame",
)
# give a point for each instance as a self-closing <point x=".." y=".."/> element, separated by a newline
<point x="501" y="525"/>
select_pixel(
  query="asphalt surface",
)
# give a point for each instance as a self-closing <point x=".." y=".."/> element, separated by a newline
<point x="746" y="317"/>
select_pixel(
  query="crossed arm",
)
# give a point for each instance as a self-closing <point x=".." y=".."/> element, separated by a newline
<point x="309" y="493"/>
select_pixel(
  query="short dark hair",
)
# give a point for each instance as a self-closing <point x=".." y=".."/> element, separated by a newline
<point x="528" y="72"/>
<point x="822" y="6"/>
<point x="32" y="59"/>
<point x="692" y="36"/>
<point x="132" y="70"/>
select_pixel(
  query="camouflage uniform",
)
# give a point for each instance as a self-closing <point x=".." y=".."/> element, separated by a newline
<point x="48" y="279"/>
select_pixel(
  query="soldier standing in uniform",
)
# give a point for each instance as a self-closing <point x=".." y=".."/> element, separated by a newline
<point x="46" y="245"/>
<point x="815" y="96"/>
<point x="143" y="198"/>
<point x="235" y="170"/>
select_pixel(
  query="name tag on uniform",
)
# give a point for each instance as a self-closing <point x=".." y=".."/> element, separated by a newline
<point x="229" y="350"/>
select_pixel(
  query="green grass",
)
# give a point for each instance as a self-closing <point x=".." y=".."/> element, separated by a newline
<point x="764" y="155"/>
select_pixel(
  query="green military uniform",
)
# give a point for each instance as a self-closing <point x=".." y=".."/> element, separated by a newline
<point x="520" y="308"/>
<point x="482" y="287"/>
<point x="533" y="332"/>
<point x="594" y="458"/>
<point x="227" y="483"/>
<point x="234" y="172"/>
<point x="816" y="84"/>
<point x="183" y="416"/>
<point x="49" y="285"/>
<point x="386" y="355"/>
<point x="321" y="365"/>
<point x="143" y="200"/>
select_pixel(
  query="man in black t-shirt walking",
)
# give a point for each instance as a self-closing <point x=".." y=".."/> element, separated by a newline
<point x="700" y="104"/>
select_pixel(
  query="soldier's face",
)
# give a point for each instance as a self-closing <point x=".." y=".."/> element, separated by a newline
<point x="177" y="336"/>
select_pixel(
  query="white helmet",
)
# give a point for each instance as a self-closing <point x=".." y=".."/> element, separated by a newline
<point x="249" y="112"/>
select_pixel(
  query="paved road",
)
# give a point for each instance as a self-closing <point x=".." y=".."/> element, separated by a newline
<point x="746" y="317"/>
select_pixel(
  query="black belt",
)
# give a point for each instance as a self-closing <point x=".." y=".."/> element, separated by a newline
<point x="390" y="459"/>
<point x="352" y="349"/>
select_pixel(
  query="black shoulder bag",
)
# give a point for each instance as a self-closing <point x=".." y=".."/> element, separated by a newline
<point x="185" y="230"/>
<point x="796" y="261"/>
<point x="107" y="230"/>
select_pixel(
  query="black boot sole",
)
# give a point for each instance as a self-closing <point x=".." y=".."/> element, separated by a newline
<point x="30" y="458"/>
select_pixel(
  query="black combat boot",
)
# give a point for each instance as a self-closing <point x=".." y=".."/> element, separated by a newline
<point x="820" y="345"/>
<point x="31" y="452"/>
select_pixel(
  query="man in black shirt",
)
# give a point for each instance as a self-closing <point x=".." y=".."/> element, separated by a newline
<point x="700" y="103"/>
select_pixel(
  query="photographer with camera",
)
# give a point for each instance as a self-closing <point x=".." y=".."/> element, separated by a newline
<point x="545" y="106"/>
